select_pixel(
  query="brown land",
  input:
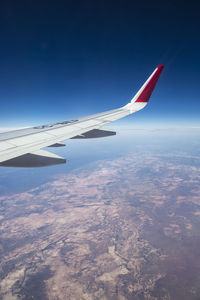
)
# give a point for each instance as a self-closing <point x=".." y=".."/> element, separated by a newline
<point x="122" y="229"/>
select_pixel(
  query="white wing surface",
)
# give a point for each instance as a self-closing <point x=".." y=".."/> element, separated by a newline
<point x="22" y="148"/>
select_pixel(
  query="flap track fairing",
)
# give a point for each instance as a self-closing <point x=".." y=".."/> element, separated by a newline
<point x="95" y="133"/>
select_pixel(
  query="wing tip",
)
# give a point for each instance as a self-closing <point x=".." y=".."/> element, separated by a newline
<point x="150" y="85"/>
<point x="160" y="67"/>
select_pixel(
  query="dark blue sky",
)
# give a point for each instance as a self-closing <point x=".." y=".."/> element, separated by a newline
<point x="65" y="59"/>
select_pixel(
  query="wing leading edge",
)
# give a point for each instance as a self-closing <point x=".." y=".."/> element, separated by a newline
<point x="22" y="148"/>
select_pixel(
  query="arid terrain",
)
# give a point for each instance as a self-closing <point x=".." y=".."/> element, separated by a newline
<point x="127" y="228"/>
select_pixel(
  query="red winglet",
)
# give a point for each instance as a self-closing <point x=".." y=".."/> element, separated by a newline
<point x="147" y="91"/>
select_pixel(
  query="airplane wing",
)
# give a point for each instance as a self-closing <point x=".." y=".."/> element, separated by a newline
<point x="22" y="148"/>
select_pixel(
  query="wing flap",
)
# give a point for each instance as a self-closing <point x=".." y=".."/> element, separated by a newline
<point x="5" y="146"/>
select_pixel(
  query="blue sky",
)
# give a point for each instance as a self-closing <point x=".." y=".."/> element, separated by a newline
<point x="65" y="59"/>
